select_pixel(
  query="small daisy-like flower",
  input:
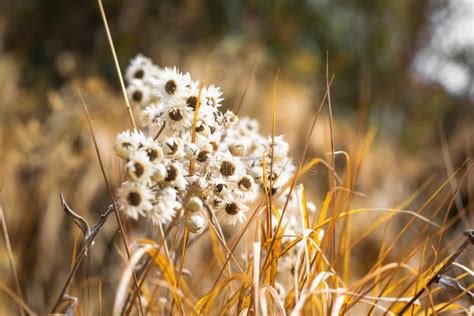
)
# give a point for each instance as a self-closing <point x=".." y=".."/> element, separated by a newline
<point x="126" y="142"/>
<point x="180" y="117"/>
<point x="153" y="150"/>
<point x="172" y="85"/>
<point x="202" y="129"/>
<point x="152" y="115"/>
<point x="203" y="156"/>
<point x="139" y="167"/>
<point x="211" y="96"/>
<point x="246" y="183"/>
<point x="220" y="189"/>
<point x="138" y="92"/>
<point x="164" y="207"/>
<point x="231" y="212"/>
<point x="175" y="176"/>
<point x="190" y="151"/>
<point x="140" y="68"/>
<point x="173" y="147"/>
<point x="230" y="119"/>
<point x="191" y="95"/>
<point x="135" y="199"/>
<point x="229" y="167"/>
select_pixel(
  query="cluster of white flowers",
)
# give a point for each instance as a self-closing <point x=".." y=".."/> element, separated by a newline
<point x="181" y="162"/>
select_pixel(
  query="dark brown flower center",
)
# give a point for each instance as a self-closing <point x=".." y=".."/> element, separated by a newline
<point x="217" y="202"/>
<point x="214" y="145"/>
<point x="231" y="209"/>
<point x="137" y="96"/>
<point x="219" y="187"/>
<point x="134" y="198"/>
<point x="170" y="87"/>
<point x="245" y="182"/>
<point x="192" y="102"/>
<point x="152" y="154"/>
<point x="176" y="115"/>
<point x="139" y="74"/>
<point x="200" y="127"/>
<point x="227" y="168"/>
<point x="203" y="156"/>
<point x="139" y="169"/>
<point x="173" y="147"/>
<point x="274" y="190"/>
<point x="172" y="173"/>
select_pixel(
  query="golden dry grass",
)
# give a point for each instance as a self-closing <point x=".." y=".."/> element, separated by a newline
<point x="371" y="258"/>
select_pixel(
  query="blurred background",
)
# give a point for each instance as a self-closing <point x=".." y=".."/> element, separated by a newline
<point x="402" y="69"/>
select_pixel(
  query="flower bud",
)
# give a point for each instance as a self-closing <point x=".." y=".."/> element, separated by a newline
<point x="237" y="148"/>
<point x="196" y="223"/>
<point x="194" y="204"/>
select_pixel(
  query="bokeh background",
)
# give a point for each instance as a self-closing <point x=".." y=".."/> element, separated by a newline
<point x="403" y="69"/>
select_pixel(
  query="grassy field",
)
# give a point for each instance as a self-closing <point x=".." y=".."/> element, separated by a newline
<point x="369" y="210"/>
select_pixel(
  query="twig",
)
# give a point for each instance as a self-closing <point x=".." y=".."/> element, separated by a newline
<point x="88" y="242"/>
<point x="435" y="278"/>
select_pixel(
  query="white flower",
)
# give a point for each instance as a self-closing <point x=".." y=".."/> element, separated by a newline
<point x="211" y="96"/>
<point x="127" y="142"/>
<point x="190" y="151"/>
<point x="246" y="183"/>
<point x="138" y="92"/>
<point x="228" y="167"/>
<point x="139" y="167"/>
<point x="231" y="212"/>
<point x="172" y="85"/>
<point x="180" y="116"/>
<point x="135" y="199"/>
<point x="140" y="68"/>
<point x="230" y="119"/>
<point x="152" y="115"/>
<point x="220" y="188"/>
<point x="153" y="150"/>
<point x="164" y="207"/>
<point x="175" y="176"/>
<point x="173" y="147"/>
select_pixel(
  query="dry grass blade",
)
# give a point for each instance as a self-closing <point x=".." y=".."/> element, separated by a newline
<point x="443" y="267"/>
<point x="109" y="188"/>
<point x="117" y="65"/>
<point x="238" y="105"/>
<point x="11" y="259"/>
<point x="18" y="300"/>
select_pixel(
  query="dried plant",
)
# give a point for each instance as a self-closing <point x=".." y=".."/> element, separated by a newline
<point x="226" y="225"/>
